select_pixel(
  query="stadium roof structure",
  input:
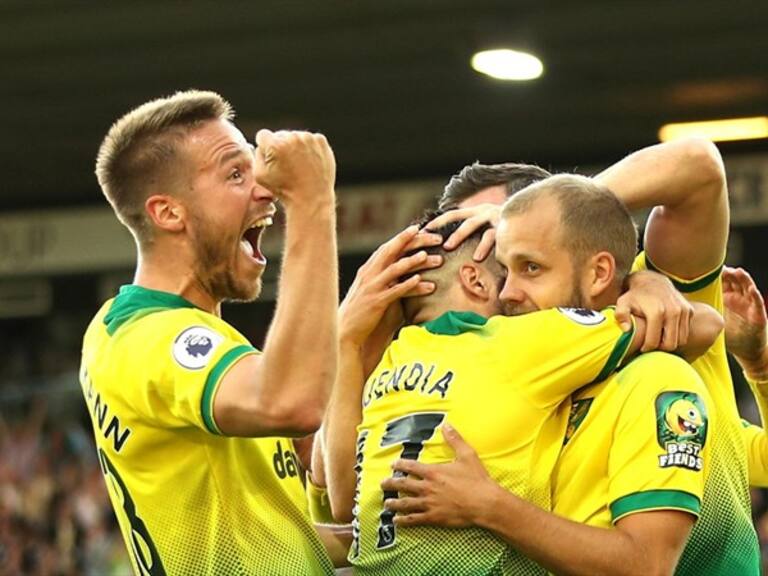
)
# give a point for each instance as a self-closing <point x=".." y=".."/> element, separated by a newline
<point x="388" y="82"/>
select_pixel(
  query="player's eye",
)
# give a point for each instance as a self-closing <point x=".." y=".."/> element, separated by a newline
<point x="532" y="267"/>
<point x="236" y="174"/>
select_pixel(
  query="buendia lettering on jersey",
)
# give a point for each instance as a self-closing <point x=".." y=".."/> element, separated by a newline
<point x="412" y="377"/>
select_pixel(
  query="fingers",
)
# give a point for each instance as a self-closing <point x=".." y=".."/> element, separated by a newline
<point x="684" y="327"/>
<point x="485" y="247"/>
<point x="408" y="484"/>
<point x="464" y="231"/>
<point x="411" y="467"/>
<point x="410" y="287"/>
<point x="419" y="519"/>
<point x="653" y="330"/>
<point x="423" y="239"/>
<point x="405" y="505"/>
<point x="623" y="314"/>
<point x="455" y="441"/>
<point x="451" y="216"/>
<point x="670" y="331"/>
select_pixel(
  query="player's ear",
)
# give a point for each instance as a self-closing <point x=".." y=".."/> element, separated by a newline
<point x="166" y="212"/>
<point x="601" y="273"/>
<point x="475" y="280"/>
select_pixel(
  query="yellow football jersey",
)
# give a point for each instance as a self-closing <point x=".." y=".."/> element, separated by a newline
<point x="636" y="442"/>
<point x="498" y="381"/>
<point x="756" y="438"/>
<point x="723" y="541"/>
<point x="188" y="499"/>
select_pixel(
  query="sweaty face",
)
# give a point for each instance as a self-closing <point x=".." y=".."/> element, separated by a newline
<point x="540" y="272"/>
<point x="228" y="212"/>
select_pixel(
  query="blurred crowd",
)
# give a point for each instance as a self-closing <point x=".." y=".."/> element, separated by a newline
<point x="55" y="514"/>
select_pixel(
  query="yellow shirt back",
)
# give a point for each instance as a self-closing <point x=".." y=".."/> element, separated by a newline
<point x="188" y="500"/>
<point x="636" y="442"/>
<point x="723" y="541"/>
<point x="499" y="382"/>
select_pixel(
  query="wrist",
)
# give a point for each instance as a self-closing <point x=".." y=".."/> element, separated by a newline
<point x="313" y="202"/>
<point x="755" y="368"/>
<point x="491" y="506"/>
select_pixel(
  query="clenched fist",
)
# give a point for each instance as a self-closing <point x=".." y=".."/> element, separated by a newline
<point x="295" y="166"/>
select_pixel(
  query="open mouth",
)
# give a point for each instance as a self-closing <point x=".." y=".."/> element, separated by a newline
<point x="251" y="239"/>
<point x="686" y="426"/>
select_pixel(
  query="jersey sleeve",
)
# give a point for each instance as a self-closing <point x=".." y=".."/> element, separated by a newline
<point x="198" y="354"/>
<point x="658" y="459"/>
<point x="755" y="437"/>
<point x="707" y="288"/>
<point x="756" y="442"/>
<point x="558" y="351"/>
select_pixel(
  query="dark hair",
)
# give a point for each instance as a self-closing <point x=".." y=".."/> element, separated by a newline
<point x="468" y="245"/>
<point x="476" y="177"/>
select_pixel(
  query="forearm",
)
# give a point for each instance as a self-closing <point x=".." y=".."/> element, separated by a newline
<point x="337" y="540"/>
<point x="562" y="546"/>
<point x="340" y="432"/>
<point x="687" y="231"/>
<point x="706" y="326"/>
<point x="300" y="356"/>
<point x="677" y="175"/>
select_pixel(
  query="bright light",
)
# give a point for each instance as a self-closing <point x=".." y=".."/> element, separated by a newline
<point x="718" y="130"/>
<point x="507" y="64"/>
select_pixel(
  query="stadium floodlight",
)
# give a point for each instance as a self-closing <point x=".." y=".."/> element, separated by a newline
<point x="718" y="130"/>
<point x="506" y="64"/>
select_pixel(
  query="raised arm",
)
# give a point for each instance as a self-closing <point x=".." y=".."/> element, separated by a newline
<point x="285" y="390"/>
<point x="684" y="180"/>
<point x="369" y="314"/>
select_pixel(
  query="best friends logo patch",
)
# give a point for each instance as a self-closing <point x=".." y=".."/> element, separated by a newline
<point x="681" y="426"/>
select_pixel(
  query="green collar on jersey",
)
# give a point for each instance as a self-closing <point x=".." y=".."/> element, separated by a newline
<point x="455" y="323"/>
<point x="134" y="302"/>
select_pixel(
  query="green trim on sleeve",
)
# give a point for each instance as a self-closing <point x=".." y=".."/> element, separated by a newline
<point x="686" y="286"/>
<point x="617" y="355"/>
<point x="212" y="383"/>
<point x="654" y="500"/>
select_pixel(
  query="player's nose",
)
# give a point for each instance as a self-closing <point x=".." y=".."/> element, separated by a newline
<point x="261" y="194"/>
<point x="510" y="293"/>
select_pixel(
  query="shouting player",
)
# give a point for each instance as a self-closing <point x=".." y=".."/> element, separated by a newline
<point x="193" y="424"/>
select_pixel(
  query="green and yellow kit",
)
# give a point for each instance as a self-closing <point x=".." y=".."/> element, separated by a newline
<point x="188" y="499"/>
<point x="499" y="382"/>
<point x="636" y="442"/>
<point x="723" y="541"/>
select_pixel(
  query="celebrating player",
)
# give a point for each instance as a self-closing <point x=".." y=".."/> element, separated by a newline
<point x="192" y="423"/>
<point x="494" y="375"/>
<point x="686" y="237"/>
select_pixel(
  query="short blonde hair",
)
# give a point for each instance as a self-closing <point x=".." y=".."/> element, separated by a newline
<point x="141" y="150"/>
<point x="593" y="218"/>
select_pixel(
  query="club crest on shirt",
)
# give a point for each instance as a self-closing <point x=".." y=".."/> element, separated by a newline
<point x="681" y="427"/>
<point x="194" y="347"/>
<point x="583" y="316"/>
<point x="579" y="411"/>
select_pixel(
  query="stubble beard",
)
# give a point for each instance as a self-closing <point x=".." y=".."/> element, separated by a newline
<point x="216" y="269"/>
<point x="575" y="300"/>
